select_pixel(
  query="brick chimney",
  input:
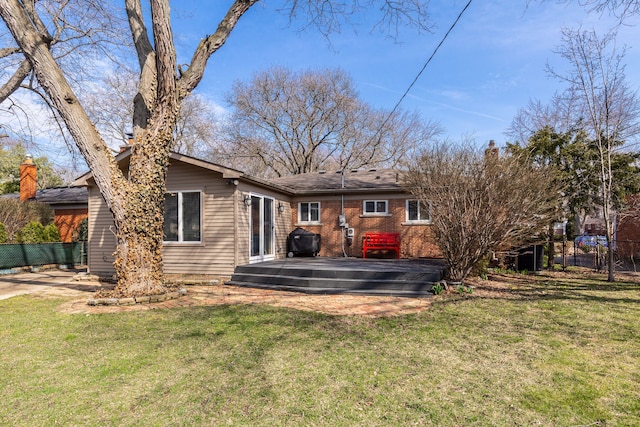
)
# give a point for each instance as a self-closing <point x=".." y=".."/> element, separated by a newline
<point x="128" y="144"/>
<point x="27" y="179"/>
<point x="491" y="153"/>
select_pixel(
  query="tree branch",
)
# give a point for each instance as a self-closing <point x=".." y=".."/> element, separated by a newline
<point x="15" y="81"/>
<point x="210" y="44"/>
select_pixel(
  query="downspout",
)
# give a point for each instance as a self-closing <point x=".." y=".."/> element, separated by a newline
<point x="234" y="197"/>
<point x="342" y="237"/>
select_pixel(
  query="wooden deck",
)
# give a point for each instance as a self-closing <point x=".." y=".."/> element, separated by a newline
<point x="398" y="277"/>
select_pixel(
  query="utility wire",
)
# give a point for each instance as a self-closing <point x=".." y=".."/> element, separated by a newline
<point x="406" y="92"/>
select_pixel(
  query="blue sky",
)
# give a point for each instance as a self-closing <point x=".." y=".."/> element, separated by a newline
<point x="491" y="64"/>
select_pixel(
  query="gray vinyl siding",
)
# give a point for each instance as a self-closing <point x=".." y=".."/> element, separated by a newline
<point x="215" y="253"/>
<point x="102" y="241"/>
<point x="242" y="228"/>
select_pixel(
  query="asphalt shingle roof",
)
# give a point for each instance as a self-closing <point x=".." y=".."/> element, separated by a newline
<point x="58" y="195"/>
<point x="361" y="179"/>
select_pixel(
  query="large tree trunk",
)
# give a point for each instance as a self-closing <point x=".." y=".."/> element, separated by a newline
<point x="138" y="256"/>
<point x="136" y="201"/>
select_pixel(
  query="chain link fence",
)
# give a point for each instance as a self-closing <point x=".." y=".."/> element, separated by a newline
<point x="626" y="256"/>
<point x="39" y="254"/>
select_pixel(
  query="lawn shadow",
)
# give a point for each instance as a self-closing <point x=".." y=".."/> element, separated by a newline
<point x="581" y="285"/>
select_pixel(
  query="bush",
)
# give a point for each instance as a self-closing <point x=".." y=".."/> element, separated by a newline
<point x="481" y="267"/>
<point x="4" y="237"/>
<point x="51" y="233"/>
<point x="15" y="215"/>
<point x="81" y="233"/>
<point x="33" y="232"/>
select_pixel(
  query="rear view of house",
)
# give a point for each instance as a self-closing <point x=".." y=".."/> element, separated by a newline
<point x="218" y="218"/>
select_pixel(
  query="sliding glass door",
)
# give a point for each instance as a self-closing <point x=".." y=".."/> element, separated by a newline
<point x="262" y="228"/>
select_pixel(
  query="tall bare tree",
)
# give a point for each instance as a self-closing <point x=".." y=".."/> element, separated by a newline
<point x="479" y="203"/>
<point x="537" y="115"/>
<point x="75" y="32"/>
<point x="622" y="9"/>
<point x="136" y="200"/>
<point x="606" y="107"/>
<point x="297" y="122"/>
<point x="110" y="107"/>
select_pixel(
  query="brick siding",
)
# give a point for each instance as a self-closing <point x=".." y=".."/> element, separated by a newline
<point x="67" y="220"/>
<point x="628" y="233"/>
<point x="416" y="240"/>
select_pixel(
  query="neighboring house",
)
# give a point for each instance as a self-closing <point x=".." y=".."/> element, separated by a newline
<point x="69" y="204"/>
<point x="594" y="225"/>
<point x="628" y="229"/>
<point x="218" y="218"/>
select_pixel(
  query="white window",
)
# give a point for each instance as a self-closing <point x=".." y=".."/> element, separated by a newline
<point x="182" y="217"/>
<point x="418" y="211"/>
<point x="309" y="212"/>
<point x="375" y="207"/>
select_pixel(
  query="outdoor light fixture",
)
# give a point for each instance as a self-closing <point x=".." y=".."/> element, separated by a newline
<point x="247" y="200"/>
<point x="232" y="182"/>
<point x="280" y="207"/>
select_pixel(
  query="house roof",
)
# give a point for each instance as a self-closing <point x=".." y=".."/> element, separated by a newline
<point x="227" y="173"/>
<point x="351" y="181"/>
<point x="55" y="196"/>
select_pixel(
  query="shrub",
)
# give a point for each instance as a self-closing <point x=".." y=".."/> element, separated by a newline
<point x="4" y="237"/>
<point x="81" y="233"/>
<point x="51" y="233"/>
<point x="481" y="267"/>
<point x="15" y="215"/>
<point x="33" y="232"/>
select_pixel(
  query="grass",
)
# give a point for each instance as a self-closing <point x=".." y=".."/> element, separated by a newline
<point x="520" y="350"/>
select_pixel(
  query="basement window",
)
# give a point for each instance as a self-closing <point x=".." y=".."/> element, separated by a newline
<point x="182" y="217"/>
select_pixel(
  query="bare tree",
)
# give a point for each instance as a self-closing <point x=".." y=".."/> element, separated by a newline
<point x="480" y="203"/>
<point x="619" y="8"/>
<point x="14" y="215"/>
<point x="606" y="107"/>
<point x="110" y="107"/>
<point x="136" y="200"/>
<point x="76" y="32"/>
<point x="299" y="122"/>
<point x="537" y="115"/>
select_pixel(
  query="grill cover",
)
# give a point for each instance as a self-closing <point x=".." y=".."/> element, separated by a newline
<point x="303" y="242"/>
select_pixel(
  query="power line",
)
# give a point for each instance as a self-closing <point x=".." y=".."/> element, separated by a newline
<point x="406" y="92"/>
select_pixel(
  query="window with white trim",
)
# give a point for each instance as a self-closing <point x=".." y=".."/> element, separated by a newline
<point x="373" y="207"/>
<point x="182" y="216"/>
<point x="418" y="211"/>
<point x="309" y="212"/>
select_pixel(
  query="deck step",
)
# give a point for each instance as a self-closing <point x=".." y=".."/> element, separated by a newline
<point x="336" y="276"/>
<point x="424" y="292"/>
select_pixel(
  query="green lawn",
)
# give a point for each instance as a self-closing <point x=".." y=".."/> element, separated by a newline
<point x="549" y="351"/>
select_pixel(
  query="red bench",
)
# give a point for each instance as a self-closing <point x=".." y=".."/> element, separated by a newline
<point x="381" y="242"/>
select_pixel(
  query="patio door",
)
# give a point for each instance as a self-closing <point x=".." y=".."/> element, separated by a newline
<point x="262" y="228"/>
